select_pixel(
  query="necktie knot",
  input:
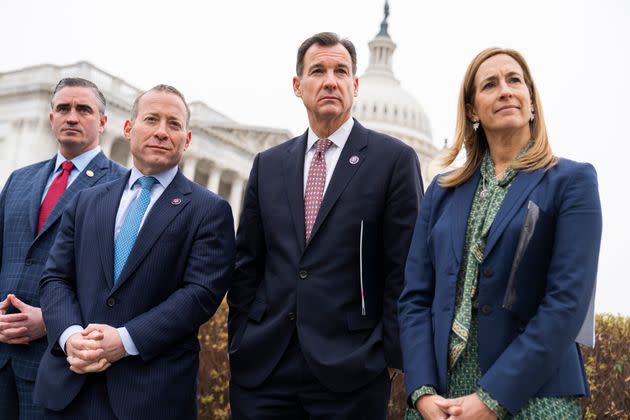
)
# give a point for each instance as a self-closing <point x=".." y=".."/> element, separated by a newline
<point x="322" y="146"/>
<point x="67" y="166"/>
<point x="147" y="182"/>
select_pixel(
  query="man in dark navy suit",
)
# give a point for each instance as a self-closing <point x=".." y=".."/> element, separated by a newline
<point x="321" y="246"/>
<point x="138" y="265"/>
<point x="31" y="204"/>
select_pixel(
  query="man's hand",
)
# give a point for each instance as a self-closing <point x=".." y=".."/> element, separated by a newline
<point x="471" y="408"/>
<point x="434" y="407"/>
<point x="112" y="345"/>
<point x="23" y="327"/>
<point x="85" y="353"/>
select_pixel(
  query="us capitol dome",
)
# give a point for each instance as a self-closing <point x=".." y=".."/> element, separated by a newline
<point x="383" y="105"/>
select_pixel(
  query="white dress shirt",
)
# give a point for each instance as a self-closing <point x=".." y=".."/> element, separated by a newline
<point x="338" y="139"/>
<point x="128" y="196"/>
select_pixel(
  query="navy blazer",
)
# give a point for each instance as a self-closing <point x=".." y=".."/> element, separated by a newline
<point x="173" y="281"/>
<point x="519" y="358"/>
<point x="282" y="283"/>
<point x="23" y="251"/>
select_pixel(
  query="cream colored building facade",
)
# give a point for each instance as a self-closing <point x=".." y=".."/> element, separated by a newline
<point x="219" y="158"/>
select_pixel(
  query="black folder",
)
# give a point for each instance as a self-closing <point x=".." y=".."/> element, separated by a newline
<point x="528" y="276"/>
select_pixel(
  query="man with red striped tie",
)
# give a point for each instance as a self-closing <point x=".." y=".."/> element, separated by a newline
<point x="31" y="204"/>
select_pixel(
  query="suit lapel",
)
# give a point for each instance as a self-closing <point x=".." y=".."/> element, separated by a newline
<point x="459" y="211"/>
<point x="159" y="217"/>
<point x="98" y="167"/>
<point x="518" y="193"/>
<point x="106" y="217"/>
<point x="39" y="183"/>
<point x="344" y="171"/>
<point x="294" y="182"/>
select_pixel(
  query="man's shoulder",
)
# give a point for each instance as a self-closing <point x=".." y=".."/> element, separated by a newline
<point x="201" y="195"/>
<point x="282" y="148"/>
<point x="386" y="141"/>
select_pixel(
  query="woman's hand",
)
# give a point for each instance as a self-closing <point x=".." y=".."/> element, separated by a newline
<point x="434" y="407"/>
<point x="470" y="407"/>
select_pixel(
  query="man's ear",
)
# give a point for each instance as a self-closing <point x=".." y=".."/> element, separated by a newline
<point x="296" y="87"/>
<point x="127" y="129"/>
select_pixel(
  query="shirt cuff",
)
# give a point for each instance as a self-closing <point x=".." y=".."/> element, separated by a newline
<point x="68" y="332"/>
<point x="128" y="343"/>
<point x="421" y="392"/>
<point x="492" y="404"/>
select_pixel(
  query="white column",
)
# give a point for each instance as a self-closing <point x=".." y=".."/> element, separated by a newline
<point x="214" y="179"/>
<point x="190" y="167"/>
<point x="106" y="145"/>
<point x="236" y="194"/>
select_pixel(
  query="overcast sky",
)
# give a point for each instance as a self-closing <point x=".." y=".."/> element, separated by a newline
<point x="238" y="56"/>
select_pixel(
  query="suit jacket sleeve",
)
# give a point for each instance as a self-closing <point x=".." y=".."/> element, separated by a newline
<point x="416" y="300"/>
<point x="526" y="364"/>
<point x="250" y="256"/>
<point x="208" y="272"/>
<point x="57" y="292"/>
<point x="403" y="200"/>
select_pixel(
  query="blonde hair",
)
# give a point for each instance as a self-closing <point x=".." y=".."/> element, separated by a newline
<point x="475" y="143"/>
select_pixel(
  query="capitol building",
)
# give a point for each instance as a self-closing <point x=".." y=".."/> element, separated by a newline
<point x="221" y="155"/>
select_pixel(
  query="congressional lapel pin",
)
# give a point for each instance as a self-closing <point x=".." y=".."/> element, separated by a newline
<point x="89" y="173"/>
<point x="354" y="160"/>
<point x="176" y="201"/>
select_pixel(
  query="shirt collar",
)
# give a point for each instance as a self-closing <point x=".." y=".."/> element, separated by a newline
<point x="81" y="161"/>
<point x="164" y="178"/>
<point x="338" y="138"/>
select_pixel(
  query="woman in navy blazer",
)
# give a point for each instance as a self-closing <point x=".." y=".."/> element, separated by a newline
<point x="503" y="262"/>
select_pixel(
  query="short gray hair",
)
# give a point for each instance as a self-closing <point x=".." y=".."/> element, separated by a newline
<point x="79" y="82"/>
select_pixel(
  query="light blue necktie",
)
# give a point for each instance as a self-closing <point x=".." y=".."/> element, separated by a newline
<point x="129" y="230"/>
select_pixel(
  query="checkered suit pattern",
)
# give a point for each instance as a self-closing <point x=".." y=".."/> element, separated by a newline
<point x="23" y="251"/>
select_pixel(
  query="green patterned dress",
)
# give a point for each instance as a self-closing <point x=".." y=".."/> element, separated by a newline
<point x="464" y="371"/>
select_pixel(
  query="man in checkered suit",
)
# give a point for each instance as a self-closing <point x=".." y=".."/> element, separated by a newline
<point x="31" y="204"/>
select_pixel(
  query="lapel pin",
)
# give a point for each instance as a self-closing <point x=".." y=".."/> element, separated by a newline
<point x="176" y="201"/>
<point x="89" y="173"/>
<point x="354" y="160"/>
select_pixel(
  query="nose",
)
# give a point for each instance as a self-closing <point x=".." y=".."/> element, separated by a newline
<point x="160" y="131"/>
<point x="505" y="90"/>
<point x="330" y="82"/>
<point x="72" y="117"/>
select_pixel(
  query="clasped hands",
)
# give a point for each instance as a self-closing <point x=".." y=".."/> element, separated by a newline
<point x="469" y="407"/>
<point x="21" y="327"/>
<point x="94" y="349"/>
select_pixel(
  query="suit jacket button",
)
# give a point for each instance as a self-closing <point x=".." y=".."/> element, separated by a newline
<point x="486" y="309"/>
<point x="28" y="262"/>
<point x="303" y="274"/>
<point x="291" y="316"/>
<point x="111" y="302"/>
<point x="488" y="272"/>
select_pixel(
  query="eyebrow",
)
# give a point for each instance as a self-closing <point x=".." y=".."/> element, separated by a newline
<point x="494" y="77"/>
<point x="319" y="65"/>
<point x="79" y="105"/>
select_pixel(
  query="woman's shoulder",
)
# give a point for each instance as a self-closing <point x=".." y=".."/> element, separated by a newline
<point x="567" y="168"/>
